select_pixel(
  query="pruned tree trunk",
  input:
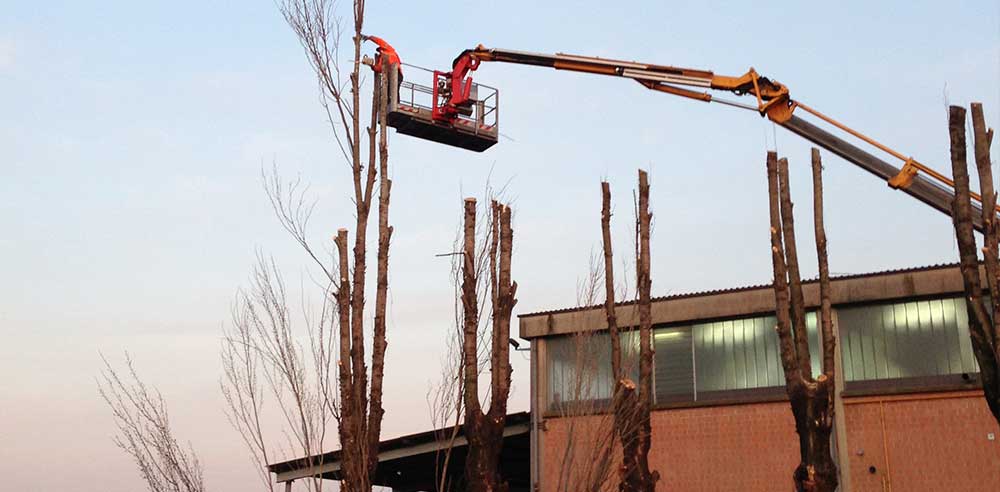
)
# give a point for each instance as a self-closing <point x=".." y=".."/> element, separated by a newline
<point x="982" y="322"/>
<point x="646" y="480"/>
<point x="361" y="400"/>
<point x="337" y="340"/>
<point x="631" y="403"/>
<point x="609" y="283"/>
<point x="484" y="430"/>
<point x="379" y="341"/>
<point x="812" y="399"/>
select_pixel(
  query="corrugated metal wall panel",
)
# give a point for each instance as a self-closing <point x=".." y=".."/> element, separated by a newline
<point x="579" y="368"/>
<point x="907" y="339"/>
<point x="673" y="365"/>
<point x="742" y="353"/>
<point x="967" y="357"/>
<point x="886" y="341"/>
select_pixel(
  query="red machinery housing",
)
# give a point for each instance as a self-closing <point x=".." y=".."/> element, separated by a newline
<point x="453" y="110"/>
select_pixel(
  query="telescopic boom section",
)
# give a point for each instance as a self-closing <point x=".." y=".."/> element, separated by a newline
<point x="772" y="100"/>
<point x="772" y="97"/>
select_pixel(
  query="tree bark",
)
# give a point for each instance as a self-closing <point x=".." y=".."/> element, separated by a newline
<point x="811" y="400"/>
<point x="484" y="431"/>
<point x="647" y="479"/>
<point x="792" y="262"/>
<point x="982" y="327"/>
<point x="819" y="232"/>
<point x="786" y="345"/>
<point x="347" y="430"/>
<point x="631" y="405"/>
<point x="470" y="308"/>
<point x="361" y="413"/>
<point x="379" y="341"/>
<point x="609" y="284"/>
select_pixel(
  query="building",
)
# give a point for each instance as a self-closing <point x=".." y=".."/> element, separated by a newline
<point x="911" y="416"/>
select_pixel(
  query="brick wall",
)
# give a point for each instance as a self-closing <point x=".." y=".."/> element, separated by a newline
<point x="573" y="453"/>
<point x="936" y="442"/>
<point x="738" y="447"/>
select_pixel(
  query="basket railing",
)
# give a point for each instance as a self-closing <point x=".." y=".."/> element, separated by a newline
<point x="485" y="109"/>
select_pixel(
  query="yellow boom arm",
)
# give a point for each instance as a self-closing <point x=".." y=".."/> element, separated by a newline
<point x="772" y="101"/>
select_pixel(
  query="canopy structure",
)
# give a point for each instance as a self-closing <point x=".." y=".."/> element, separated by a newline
<point x="410" y="463"/>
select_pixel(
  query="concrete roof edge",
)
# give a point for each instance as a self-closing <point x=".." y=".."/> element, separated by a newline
<point x="755" y="300"/>
<point x="705" y="293"/>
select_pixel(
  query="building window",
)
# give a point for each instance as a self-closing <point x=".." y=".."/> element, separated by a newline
<point x="704" y="361"/>
<point x="673" y="362"/>
<point x="725" y="358"/>
<point x="579" y="368"/>
<point x="743" y="354"/>
<point x="701" y="361"/>
<point x="906" y="340"/>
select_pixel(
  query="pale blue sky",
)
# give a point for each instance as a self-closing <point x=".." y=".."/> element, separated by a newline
<point x="133" y="135"/>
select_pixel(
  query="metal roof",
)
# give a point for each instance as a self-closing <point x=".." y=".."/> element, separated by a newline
<point x="407" y="463"/>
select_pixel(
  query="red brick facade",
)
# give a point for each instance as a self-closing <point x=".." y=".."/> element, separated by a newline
<point x="932" y="442"/>
<point x="917" y="443"/>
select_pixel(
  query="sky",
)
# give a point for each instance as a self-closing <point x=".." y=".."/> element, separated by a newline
<point x="134" y="133"/>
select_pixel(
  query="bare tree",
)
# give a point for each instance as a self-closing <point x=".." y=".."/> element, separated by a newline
<point x="360" y="398"/>
<point x="812" y="399"/>
<point x="586" y="453"/>
<point x="484" y="430"/>
<point x="263" y="360"/>
<point x="590" y="450"/>
<point x="336" y="383"/>
<point x="631" y="402"/>
<point x="244" y="392"/>
<point x="982" y="320"/>
<point x="446" y="399"/>
<point x="445" y="402"/>
<point x="144" y="432"/>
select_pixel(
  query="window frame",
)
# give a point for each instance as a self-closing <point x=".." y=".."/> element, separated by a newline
<point x="938" y="383"/>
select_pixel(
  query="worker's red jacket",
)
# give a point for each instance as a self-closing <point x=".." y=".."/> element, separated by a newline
<point x="387" y="51"/>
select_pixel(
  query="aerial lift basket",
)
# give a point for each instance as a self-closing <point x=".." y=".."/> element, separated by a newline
<point x="425" y="112"/>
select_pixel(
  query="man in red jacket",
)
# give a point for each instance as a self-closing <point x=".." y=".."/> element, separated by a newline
<point x="387" y="51"/>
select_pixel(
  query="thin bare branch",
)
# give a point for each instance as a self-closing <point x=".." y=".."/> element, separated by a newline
<point x="144" y="431"/>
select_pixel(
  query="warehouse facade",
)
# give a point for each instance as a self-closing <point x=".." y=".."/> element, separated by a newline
<point x="911" y="414"/>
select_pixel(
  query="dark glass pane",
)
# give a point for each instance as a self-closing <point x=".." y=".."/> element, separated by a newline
<point x="674" y="368"/>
